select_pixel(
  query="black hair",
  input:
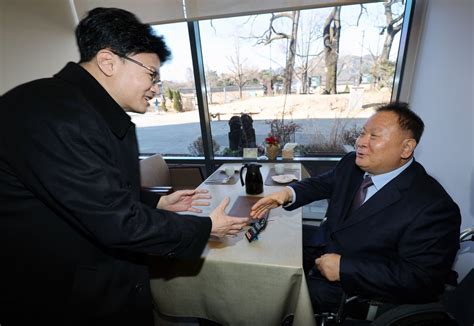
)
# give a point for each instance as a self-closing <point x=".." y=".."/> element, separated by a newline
<point x="407" y="119"/>
<point x="117" y="30"/>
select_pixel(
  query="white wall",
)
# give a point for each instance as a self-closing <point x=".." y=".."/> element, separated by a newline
<point x="442" y="94"/>
<point x="36" y="40"/>
<point x="2" y="31"/>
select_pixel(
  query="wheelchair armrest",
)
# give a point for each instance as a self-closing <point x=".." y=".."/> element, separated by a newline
<point x="357" y="307"/>
<point x="353" y="307"/>
<point x="467" y="235"/>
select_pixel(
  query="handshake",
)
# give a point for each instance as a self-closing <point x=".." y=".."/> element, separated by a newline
<point x="228" y="225"/>
<point x="223" y="224"/>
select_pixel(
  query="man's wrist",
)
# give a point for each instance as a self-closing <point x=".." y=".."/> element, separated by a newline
<point x="290" y="196"/>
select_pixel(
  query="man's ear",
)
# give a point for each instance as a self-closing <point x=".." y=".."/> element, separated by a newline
<point x="408" y="147"/>
<point x="106" y="62"/>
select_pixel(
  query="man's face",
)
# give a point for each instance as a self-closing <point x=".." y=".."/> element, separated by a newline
<point x="135" y="85"/>
<point x="382" y="145"/>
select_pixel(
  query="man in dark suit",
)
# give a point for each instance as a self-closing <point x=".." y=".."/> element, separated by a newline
<point x="75" y="237"/>
<point x="398" y="242"/>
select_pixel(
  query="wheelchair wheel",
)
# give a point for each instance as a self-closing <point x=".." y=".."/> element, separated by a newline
<point x="432" y="314"/>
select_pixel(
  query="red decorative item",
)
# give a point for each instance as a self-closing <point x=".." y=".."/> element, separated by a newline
<point x="272" y="140"/>
<point x="272" y="147"/>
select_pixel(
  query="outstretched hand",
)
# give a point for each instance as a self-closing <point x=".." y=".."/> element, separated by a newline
<point x="184" y="200"/>
<point x="223" y="224"/>
<point x="274" y="200"/>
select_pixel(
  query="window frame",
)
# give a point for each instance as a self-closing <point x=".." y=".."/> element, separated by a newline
<point x="209" y="160"/>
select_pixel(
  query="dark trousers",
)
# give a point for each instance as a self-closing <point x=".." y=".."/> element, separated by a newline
<point x="325" y="296"/>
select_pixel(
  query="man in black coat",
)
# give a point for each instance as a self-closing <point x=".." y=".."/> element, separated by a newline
<point x="74" y="235"/>
<point x="399" y="242"/>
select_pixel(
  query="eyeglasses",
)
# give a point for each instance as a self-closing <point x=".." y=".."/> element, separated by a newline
<point x="155" y="76"/>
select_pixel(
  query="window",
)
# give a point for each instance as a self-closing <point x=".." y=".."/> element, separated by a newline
<point x="171" y="124"/>
<point x="309" y="77"/>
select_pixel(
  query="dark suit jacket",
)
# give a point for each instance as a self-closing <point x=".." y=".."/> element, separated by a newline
<point x="74" y="235"/>
<point x="400" y="244"/>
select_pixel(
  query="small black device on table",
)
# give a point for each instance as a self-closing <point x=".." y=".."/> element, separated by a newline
<point x="255" y="229"/>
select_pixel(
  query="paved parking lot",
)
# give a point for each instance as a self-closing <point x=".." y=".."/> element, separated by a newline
<point x="175" y="138"/>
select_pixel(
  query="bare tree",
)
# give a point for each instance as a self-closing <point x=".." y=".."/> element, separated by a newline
<point x="211" y="80"/>
<point x="383" y="69"/>
<point x="271" y="35"/>
<point x="394" y="25"/>
<point x="290" y="61"/>
<point x="240" y="74"/>
<point x="306" y="43"/>
<point x="331" y="35"/>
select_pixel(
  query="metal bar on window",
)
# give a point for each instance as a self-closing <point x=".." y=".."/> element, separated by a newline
<point x="402" y="50"/>
<point x="200" y="82"/>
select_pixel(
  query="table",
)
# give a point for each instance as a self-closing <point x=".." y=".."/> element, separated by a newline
<point x="237" y="282"/>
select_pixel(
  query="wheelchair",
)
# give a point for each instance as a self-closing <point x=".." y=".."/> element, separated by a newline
<point x="359" y="311"/>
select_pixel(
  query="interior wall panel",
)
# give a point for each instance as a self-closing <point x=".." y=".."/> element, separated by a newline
<point x="149" y="11"/>
<point x="37" y="40"/>
<point x="205" y="9"/>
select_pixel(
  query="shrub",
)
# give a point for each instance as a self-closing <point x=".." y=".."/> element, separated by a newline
<point x="169" y="93"/>
<point x="196" y="148"/>
<point x="323" y="147"/>
<point x="163" y="104"/>
<point x="340" y="135"/>
<point x="231" y="152"/>
<point x="283" y="131"/>
<point x="177" y="103"/>
<point x="349" y="136"/>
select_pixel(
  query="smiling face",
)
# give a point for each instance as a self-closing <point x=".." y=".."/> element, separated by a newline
<point x="134" y="84"/>
<point x="383" y="145"/>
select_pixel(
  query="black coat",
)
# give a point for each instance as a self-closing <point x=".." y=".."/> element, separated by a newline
<point x="400" y="244"/>
<point x="74" y="236"/>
